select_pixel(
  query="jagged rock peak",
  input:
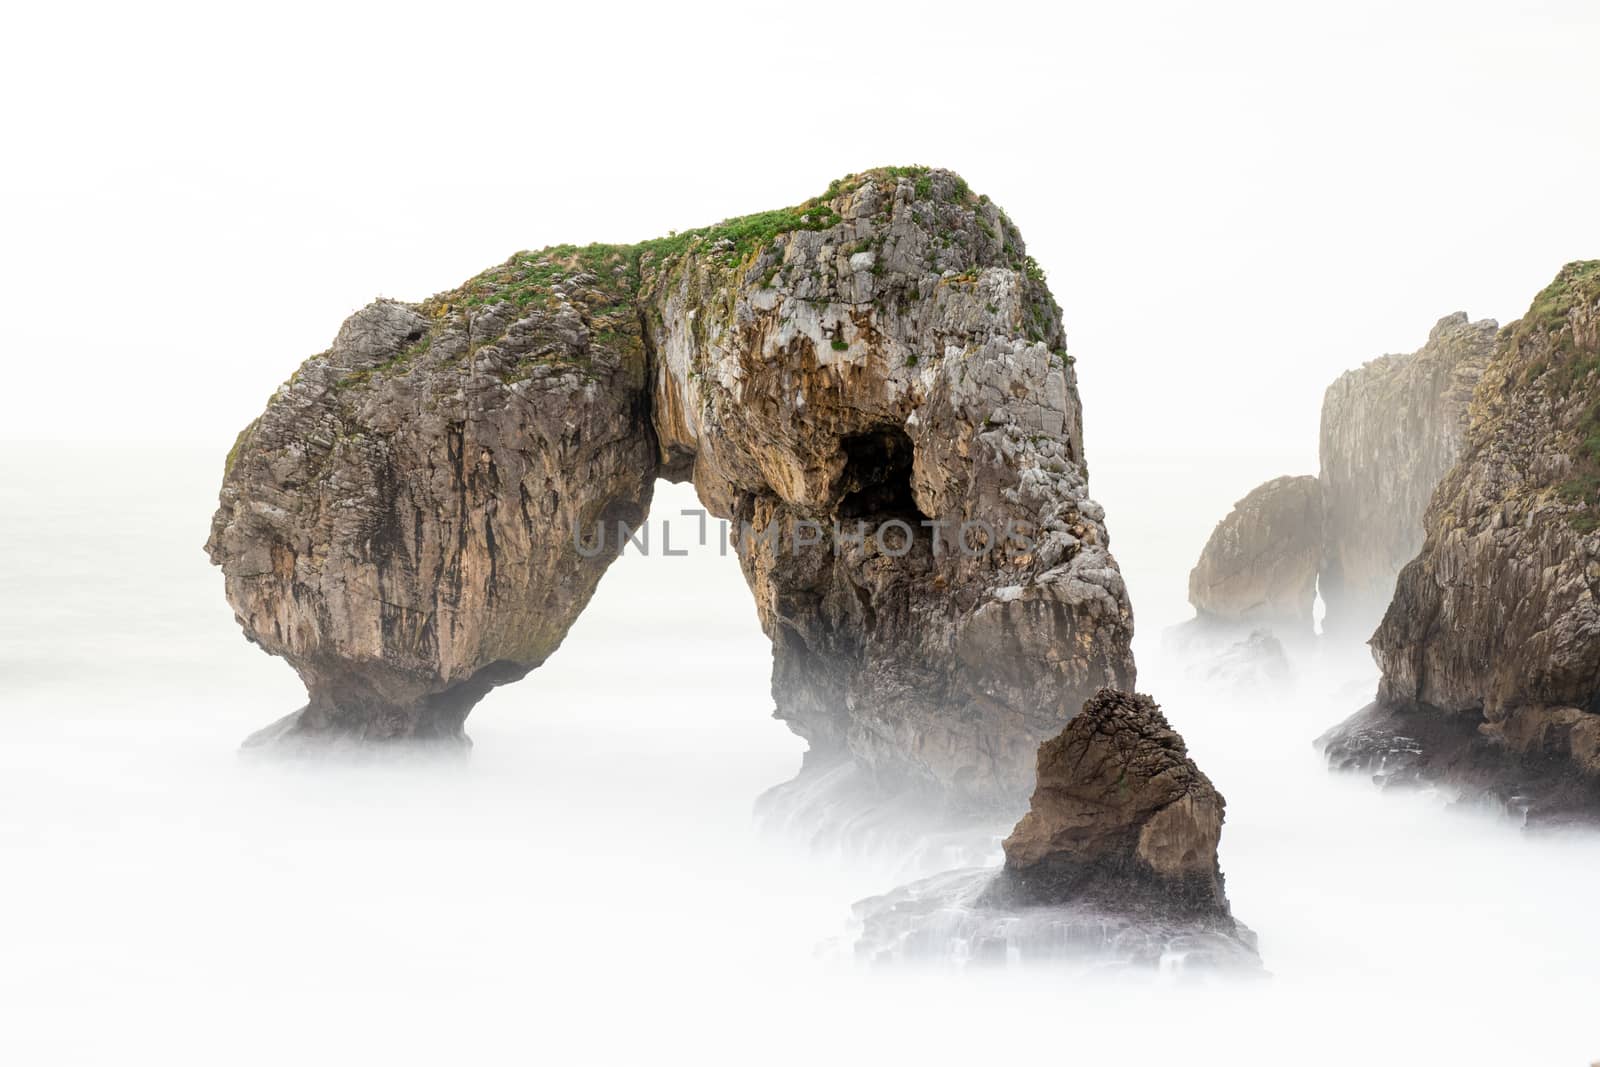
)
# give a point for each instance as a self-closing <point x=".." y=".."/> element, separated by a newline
<point x="1260" y="565"/>
<point x="399" y="524"/>
<point x="1490" y="649"/>
<point x="1121" y="818"/>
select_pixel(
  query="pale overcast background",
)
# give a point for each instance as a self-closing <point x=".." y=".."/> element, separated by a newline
<point x="1234" y="201"/>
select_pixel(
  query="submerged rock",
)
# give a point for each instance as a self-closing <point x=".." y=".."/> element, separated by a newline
<point x="1490" y="649"/>
<point x="1115" y="861"/>
<point x="872" y="386"/>
<point x="1254" y="664"/>
<point x="1260" y="565"/>
<point x="950" y="919"/>
<point x="841" y="813"/>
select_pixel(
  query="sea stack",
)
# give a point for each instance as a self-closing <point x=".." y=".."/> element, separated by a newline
<point x="1115" y="863"/>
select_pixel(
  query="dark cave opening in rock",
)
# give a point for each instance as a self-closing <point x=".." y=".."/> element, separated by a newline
<point x="876" y="480"/>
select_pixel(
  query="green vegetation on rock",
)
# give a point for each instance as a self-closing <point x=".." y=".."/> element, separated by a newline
<point x="1568" y="369"/>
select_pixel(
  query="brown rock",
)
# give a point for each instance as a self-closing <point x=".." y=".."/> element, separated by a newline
<point x="1121" y="818"/>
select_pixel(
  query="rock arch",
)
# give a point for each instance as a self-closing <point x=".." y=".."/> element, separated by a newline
<point x="399" y="524"/>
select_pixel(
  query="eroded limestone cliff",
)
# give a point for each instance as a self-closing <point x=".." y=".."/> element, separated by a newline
<point x="1390" y="431"/>
<point x="1490" y="649"/>
<point x="884" y="359"/>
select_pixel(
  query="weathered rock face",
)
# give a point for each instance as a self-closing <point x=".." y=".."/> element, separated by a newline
<point x="397" y="524"/>
<point x="1260" y="565"/>
<point x="1390" y="431"/>
<point x="874" y="386"/>
<point x="1490" y="650"/>
<point x="1121" y="818"/>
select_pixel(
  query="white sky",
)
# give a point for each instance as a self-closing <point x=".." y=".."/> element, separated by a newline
<point x="1234" y="201"/>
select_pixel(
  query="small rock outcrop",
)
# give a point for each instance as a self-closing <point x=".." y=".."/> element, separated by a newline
<point x="1390" y="431"/>
<point x="1260" y="565"/>
<point x="1121" y="818"/>
<point x="1115" y="861"/>
<point x="1490" y="649"/>
<point x="873" y="387"/>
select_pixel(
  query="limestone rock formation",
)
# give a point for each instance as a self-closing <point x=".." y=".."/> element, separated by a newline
<point x="1390" y="431"/>
<point x="873" y="385"/>
<point x="1115" y="861"/>
<point x="1490" y="649"/>
<point x="1260" y="565"/>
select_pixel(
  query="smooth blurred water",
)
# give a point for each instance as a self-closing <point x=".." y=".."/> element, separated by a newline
<point x="588" y="887"/>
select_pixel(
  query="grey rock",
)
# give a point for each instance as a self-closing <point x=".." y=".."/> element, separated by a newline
<point x="1260" y="565"/>
<point x="1390" y="431"/>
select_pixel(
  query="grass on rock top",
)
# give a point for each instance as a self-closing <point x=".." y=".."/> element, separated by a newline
<point x="604" y="281"/>
<point x="1572" y="365"/>
<point x="527" y="277"/>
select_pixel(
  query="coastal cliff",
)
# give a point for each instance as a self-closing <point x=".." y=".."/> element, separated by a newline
<point x="1490" y="649"/>
<point x="1390" y="430"/>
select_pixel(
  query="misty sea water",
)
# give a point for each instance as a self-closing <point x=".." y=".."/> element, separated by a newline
<point x="588" y="886"/>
